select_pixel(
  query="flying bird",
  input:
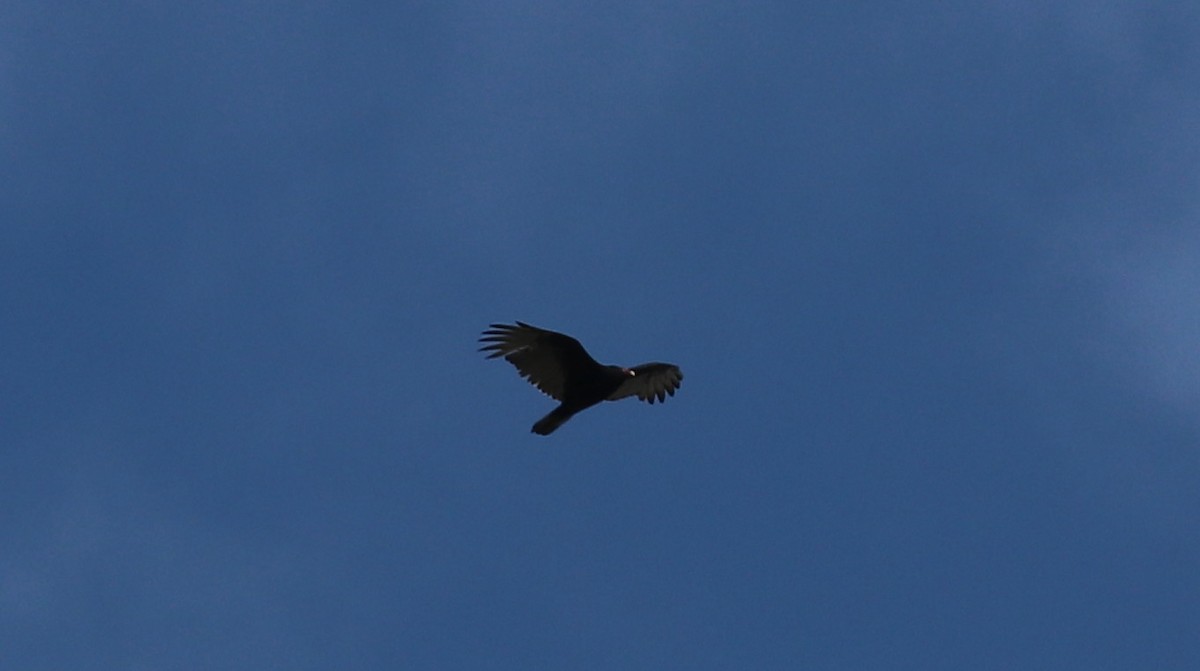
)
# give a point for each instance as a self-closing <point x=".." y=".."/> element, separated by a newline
<point x="559" y="366"/>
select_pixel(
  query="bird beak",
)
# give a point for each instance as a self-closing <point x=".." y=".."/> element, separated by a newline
<point x="630" y="373"/>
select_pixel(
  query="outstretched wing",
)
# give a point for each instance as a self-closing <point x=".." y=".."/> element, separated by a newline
<point x="650" y="382"/>
<point x="546" y="358"/>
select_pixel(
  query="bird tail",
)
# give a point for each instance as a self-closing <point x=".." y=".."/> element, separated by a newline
<point x="552" y="421"/>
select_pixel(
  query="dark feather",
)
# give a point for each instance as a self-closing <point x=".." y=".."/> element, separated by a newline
<point x="650" y="382"/>
<point x="561" y="368"/>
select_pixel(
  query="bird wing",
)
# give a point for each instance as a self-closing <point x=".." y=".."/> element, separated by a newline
<point x="546" y="358"/>
<point x="650" y="382"/>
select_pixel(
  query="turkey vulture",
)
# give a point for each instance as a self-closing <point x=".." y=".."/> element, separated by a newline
<point x="559" y="366"/>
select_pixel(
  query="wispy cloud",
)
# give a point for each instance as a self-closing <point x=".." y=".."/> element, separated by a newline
<point x="1152" y="291"/>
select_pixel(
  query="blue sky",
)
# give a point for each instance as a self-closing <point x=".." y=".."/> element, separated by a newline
<point x="930" y="271"/>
